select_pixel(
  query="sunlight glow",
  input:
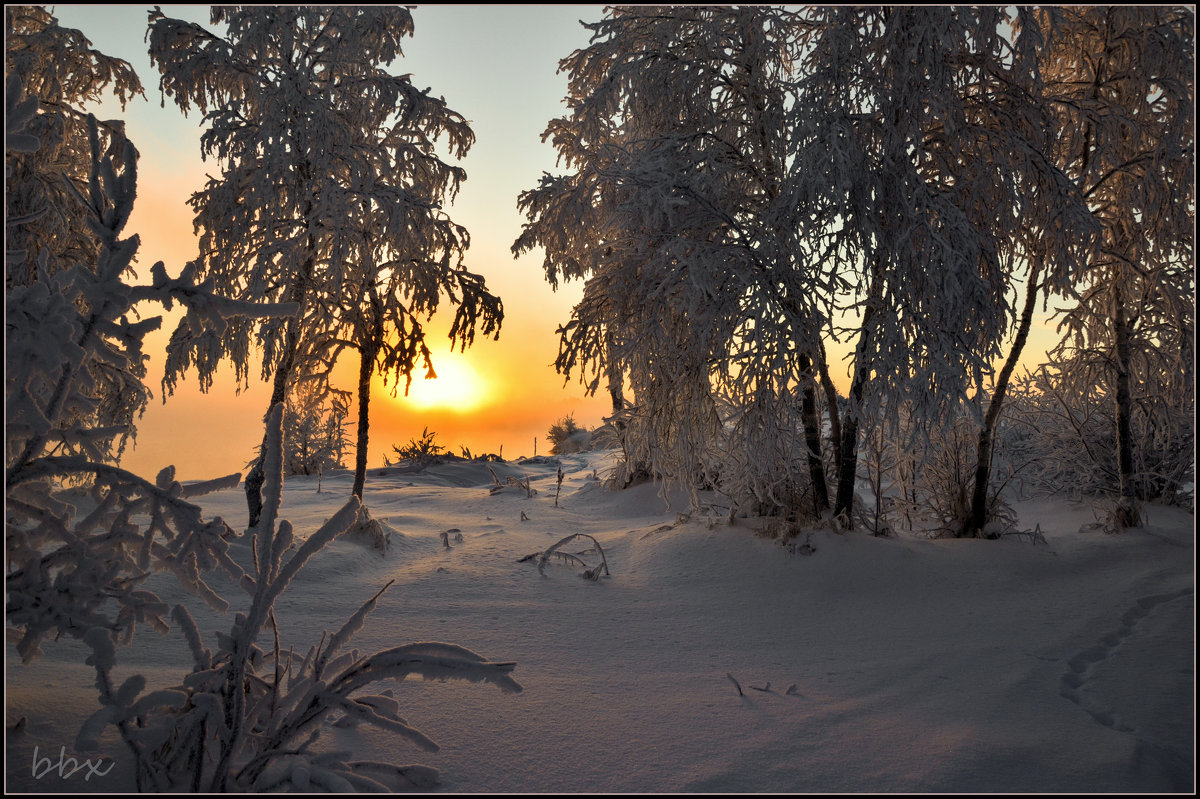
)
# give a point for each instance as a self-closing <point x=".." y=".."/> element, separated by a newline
<point x="458" y="386"/>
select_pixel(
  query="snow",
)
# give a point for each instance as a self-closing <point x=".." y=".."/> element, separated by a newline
<point x="918" y="665"/>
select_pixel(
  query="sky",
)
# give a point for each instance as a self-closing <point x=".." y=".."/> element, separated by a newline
<point x="496" y="65"/>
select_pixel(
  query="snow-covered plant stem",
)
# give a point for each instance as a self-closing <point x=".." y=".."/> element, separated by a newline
<point x="245" y="719"/>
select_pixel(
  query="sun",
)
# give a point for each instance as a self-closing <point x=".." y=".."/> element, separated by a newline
<point x="457" y="387"/>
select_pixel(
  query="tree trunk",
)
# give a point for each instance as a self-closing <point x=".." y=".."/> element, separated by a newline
<point x="848" y="466"/>
<point x="811" y="423"/>
<point x="283" y="375"/>
<point x="831" y="404"/>
<point x="366" y="363"/>
<point x="983" y="458"/>
<point x="1127" y="514"/>
<point x="616" y="390"/>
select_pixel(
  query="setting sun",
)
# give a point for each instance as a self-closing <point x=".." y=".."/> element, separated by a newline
<point x="457" y="387"/>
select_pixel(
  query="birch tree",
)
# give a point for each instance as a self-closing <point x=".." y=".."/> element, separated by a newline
<point x="314" y="139"/>
<point x="678" y="216"/>
<point x="1122" y="81"/>
<point x="386" y="323"/>
<point x="744" y="177"/>
<point x="918" y="177"/>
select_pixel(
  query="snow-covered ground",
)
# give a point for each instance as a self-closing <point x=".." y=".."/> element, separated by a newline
<point x="871" y="664"/>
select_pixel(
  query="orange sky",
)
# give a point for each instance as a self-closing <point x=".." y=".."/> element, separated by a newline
<point x="495" y="65"/>
<point x="499" y="393"/>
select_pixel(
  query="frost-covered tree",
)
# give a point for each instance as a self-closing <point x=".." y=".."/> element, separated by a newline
<point x="918" y="171"/>
<point x="314" y="422"/>
<point x="679" y="216"/>
<point x="412" y="269"/>
<point x="47" y="228"/>
<point x="77" y="538"/>
<point x="743" y="178"/>
<point x="1122" y="83"/>
<point x="62" y="70"/>
<point x="317" y="143"/>
<point x="82" y="535"/>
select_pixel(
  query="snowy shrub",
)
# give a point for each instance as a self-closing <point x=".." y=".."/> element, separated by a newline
<point x="566" y="436"/>
<point x="421" y="452"/>
<point x="947" y="477"/>
<point x="762" y="467"/>
<point x="1063" y="416"/>
<point x="369" y="531"/>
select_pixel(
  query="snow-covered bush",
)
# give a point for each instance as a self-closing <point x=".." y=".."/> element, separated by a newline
<point x="1063" y="417"/>
<point x="422" y="452"/>
<point x="565" y="437"/>
<point x="945" y="481"/>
